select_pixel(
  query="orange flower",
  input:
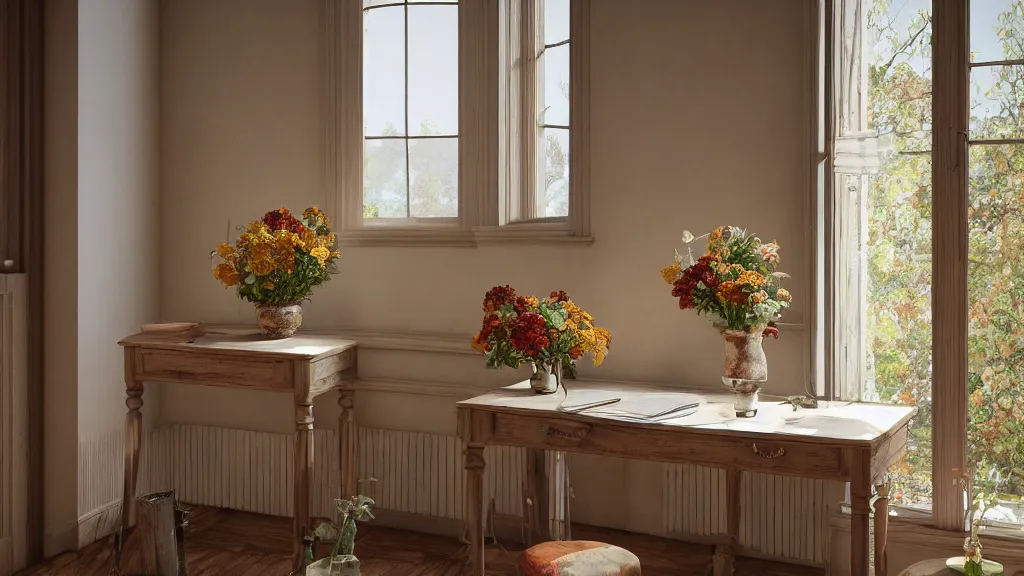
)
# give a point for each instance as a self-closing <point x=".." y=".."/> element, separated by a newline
<point x="226" y="274"/>
<point x="671" y="273"/>
<point x="225" y="250"/>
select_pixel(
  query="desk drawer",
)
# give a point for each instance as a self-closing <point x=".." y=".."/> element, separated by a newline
<point x="214" y="370"/>
<point x="628" y="440"/>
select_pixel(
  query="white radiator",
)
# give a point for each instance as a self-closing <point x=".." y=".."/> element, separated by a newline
<point x="415" y="472"/>
<point x="780" y="516"/>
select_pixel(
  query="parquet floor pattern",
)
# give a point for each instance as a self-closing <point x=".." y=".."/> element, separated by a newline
<point x="229" y="543"/>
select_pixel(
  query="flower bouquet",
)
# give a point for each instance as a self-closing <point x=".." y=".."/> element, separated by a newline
<point x="551" y="334"/>
<point x="276" y="263"/>
<point x="735" y="284"/>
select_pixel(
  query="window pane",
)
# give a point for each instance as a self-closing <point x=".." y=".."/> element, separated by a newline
<point x="995" y="102"/>
<point x="555" y="109"/>
<point x="886" y="234"/>
<point x="996" y="328"/>
<point x="556" y="21"/>
<point x="433" y="70"/>
<point x="370" y="3"/>
<point x="997" y="32"/>
<point x="384" y="71"/>
<point x="554" y="198"/>
<point x="433" y="164"/>
<point x="433" y="1"/>
<point x="384" y="178"/>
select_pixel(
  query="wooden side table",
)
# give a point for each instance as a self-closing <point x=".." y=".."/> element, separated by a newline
<point x="304" y="365"/>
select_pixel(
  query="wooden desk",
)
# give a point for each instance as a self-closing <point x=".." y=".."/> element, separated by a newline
<point x="305" y="366"/>
<point x="846" y="442"/>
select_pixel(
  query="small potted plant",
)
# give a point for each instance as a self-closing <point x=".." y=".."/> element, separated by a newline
<point x="342" y="561"/>
<point x="734" y="284"/>
<point x="276" y="263"/>
<point x="551" y="334"/>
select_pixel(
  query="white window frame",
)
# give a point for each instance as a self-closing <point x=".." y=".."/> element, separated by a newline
<point x="484" y="137"/>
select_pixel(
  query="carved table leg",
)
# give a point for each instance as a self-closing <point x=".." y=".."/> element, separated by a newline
<point x="881" y="528"/>
<point x="474" y="463"/>
<point x="347" y="444"/>
<point x="537" y="492"/>
<point x="860" y="509"/>
<point x="303" y="473"/>
<point x="132" y="440"/>
<point x="725" y="554"/>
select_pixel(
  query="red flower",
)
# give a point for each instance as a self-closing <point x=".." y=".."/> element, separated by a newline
<point x="529" y="334"/>
<point x="491" y="322"/>
<point x="560" y="296"/>
<point x="520" y="305"/>
<point x="771" y="330"/>
<point x="497" y="297"/>
<point x="282" y="219"/>
<point x="700" y="272"/>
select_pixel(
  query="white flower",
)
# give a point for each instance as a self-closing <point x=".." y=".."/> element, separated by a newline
<point x="687" y="237"/>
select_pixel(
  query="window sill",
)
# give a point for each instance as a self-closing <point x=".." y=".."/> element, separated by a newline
<point x="406" y="238"/>
<point x="454" y="238"/>
<point x="528" y="234"/>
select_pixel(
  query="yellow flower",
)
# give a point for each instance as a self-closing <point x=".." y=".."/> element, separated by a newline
<point x="759" y="297"/>
<point x="225" y="250"/>
<point x="752" y="278"/>
<point x="268" y="285"/>
<point x="477" y="344"/>
<point x="286" y="239"/>
<point x="226" y="274"/>
<point x="320" y="253"/>
<point x="261" y="259"/>
<point x="309" y="239"/>
<point x="257" y="227"/>
<point x="261" y="267"/>
<point x="783" y="295"/>
<point x="671" y="273"/>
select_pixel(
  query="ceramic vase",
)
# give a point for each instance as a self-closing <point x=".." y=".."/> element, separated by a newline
<point x="545" y="379"/>
<point x="279" y="321"/>
<point x="745" y="369"/>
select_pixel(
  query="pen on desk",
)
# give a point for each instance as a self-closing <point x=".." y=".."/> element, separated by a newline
<point x="582" y="407"/>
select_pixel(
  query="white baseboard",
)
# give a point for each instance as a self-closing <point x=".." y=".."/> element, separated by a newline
<point x="99" y="523"/>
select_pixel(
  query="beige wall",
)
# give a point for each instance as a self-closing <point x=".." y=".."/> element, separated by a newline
<point x="695" y="124"/>
<point x="102" y="258"/>
<point x="118" y="223"/>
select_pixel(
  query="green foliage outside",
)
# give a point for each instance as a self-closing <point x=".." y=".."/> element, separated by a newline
<point x="899" y="260"/>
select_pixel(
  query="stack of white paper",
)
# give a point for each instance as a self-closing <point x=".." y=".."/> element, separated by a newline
<point x="643" y="408"/>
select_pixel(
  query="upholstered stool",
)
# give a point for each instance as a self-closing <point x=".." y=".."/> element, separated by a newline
<point x="578" y="558"/>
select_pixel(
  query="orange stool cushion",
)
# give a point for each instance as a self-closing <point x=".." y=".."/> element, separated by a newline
<point x="578" y="558"/>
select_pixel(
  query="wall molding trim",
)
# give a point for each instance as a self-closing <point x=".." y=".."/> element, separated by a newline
<point x="442" y="343"/>
<point x="420" y="387"/>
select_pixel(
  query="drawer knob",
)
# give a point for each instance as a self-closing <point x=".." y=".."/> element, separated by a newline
<point x="769" y="454"/>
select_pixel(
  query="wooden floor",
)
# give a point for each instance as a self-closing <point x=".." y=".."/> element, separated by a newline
<point x="229" y="543"/>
